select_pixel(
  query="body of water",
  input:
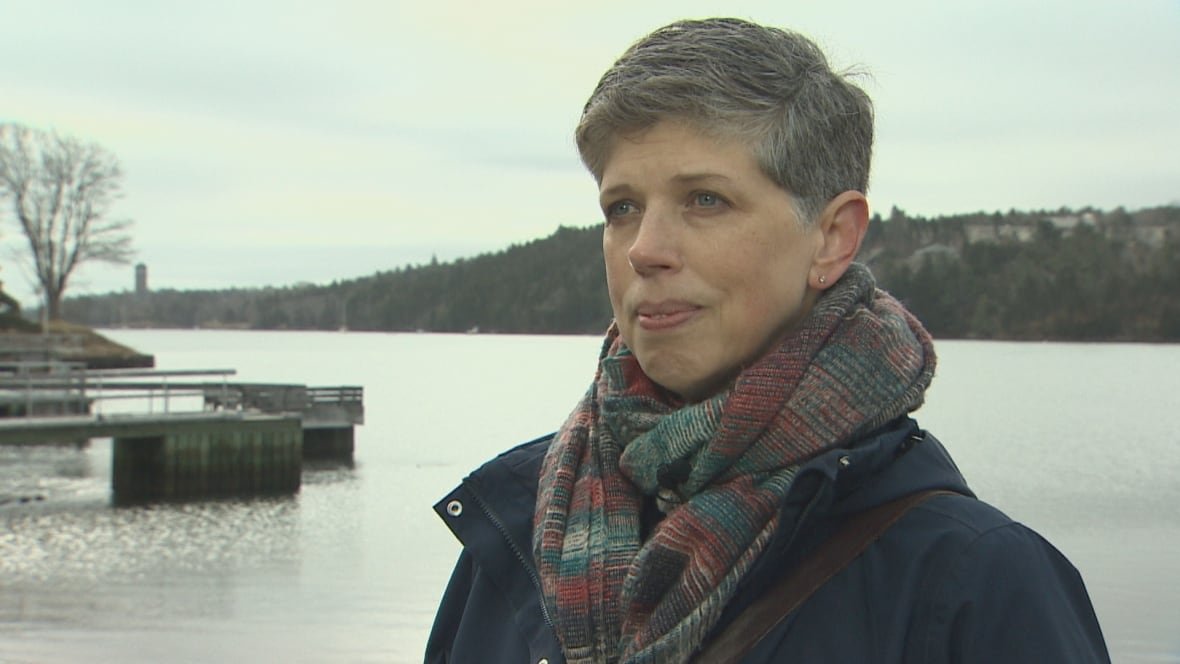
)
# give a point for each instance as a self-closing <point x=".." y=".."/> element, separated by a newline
<point x="1075" y="440"/>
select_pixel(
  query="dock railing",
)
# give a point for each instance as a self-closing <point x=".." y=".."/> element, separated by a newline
<point x="233" y="438"/>
<point x="40" y="388"/>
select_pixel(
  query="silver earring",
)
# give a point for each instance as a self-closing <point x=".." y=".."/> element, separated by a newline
<point x="822" y="280"/>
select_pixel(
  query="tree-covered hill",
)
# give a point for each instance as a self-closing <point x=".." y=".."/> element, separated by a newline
<point x="1066" y="275"/>
<point x="550" y="286"/>
<point x="1059" y="275"/>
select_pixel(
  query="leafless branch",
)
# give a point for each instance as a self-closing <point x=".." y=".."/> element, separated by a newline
<point x="59" y="190"/>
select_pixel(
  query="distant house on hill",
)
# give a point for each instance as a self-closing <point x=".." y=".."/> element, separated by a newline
<point x="1153" y="227"/>
<point x="998" y="230"/>
<point x="1066" y="223"/>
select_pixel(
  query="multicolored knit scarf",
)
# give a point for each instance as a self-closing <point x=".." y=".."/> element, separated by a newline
<point x="858" y="361"/>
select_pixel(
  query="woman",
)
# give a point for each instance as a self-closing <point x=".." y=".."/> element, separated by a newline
<point x="751" y="400"/>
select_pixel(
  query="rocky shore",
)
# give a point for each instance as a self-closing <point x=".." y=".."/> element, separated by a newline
<point x="67" y="342"/>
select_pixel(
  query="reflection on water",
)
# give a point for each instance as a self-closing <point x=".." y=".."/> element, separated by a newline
<point x="70" y="559"/>
<point x="73" y="568"/>
<point x="1075" y="440"/>
<point x="35" y="473"/>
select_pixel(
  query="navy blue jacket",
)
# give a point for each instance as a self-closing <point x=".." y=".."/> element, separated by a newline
<point x="954" y="580"/>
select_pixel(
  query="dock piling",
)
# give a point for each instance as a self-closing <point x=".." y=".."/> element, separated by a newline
<point x="214" y="458"/>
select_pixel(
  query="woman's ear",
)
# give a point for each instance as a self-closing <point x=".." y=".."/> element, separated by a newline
<point x="842" y="226"/>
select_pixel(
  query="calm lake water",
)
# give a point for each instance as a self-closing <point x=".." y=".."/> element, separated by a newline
<point x="1078" y="441"/>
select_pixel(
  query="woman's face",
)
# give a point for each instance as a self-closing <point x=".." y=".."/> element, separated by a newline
<point x="706" y="262"/>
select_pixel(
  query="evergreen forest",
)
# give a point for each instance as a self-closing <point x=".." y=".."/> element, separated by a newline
<point x="1045" y="275"/>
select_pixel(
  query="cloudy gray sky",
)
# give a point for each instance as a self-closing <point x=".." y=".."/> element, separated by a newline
<point x="274" y="142"/>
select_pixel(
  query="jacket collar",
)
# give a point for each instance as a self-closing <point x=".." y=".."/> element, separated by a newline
<point x="491" y="513"/>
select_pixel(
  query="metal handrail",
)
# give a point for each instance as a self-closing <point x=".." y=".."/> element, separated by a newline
<point x="77" y="386"/>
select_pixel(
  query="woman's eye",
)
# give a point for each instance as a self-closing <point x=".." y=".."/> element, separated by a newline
<point x="620" y="208"/>
<point x="706" y="199"/>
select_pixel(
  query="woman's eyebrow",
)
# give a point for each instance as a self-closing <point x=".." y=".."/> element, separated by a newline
<point x="700" y="177"/>
<point x="615" y="190"/>
<point x="681" y="178"/>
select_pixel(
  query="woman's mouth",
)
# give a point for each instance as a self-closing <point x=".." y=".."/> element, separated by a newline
<point x="665" y="315"/>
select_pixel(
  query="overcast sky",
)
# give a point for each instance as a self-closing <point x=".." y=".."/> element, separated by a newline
<point x="269" y="143"/>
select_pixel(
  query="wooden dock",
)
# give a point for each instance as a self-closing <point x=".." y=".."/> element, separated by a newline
<point x="244" y="439"/>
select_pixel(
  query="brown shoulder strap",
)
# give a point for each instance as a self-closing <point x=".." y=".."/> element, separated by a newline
<point x="789" y="592"/>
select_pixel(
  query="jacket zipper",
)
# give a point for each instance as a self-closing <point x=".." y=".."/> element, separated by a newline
<point x="520" y="557"/>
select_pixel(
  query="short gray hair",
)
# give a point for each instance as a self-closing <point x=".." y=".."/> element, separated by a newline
<point x="810" y="129"/>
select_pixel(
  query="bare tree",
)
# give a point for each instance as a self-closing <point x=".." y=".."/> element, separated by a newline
<point x="59" y="190"/>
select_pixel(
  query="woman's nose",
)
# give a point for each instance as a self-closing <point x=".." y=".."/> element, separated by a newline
<point x="656" y="245"/>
